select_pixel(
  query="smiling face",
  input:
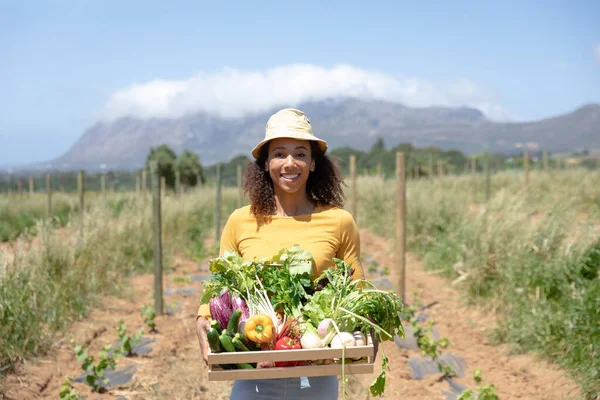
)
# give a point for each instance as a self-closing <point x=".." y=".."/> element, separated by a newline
<point x="289" y="162"/>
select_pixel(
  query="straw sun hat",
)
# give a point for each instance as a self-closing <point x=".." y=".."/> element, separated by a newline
<point x="289" y="123"/>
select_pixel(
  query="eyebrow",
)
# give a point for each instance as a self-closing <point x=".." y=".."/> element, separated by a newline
<point x="283" y="148"/>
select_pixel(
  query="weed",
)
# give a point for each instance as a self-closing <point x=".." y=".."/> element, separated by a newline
<point x="95" y="372"/>
<point x="149" y="315"/>
<point x="128" y="342"/>
<point x="68" y="392"/>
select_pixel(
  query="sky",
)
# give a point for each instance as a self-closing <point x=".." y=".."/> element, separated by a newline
<point x="65" y="65"/>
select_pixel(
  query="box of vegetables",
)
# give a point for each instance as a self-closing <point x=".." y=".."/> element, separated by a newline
<point x="270" y="319"/>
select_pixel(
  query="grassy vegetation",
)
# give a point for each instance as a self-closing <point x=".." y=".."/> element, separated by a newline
<point x="534" y="256"/>
<point x="19" y="215"/>
<point x="61" y="276"/>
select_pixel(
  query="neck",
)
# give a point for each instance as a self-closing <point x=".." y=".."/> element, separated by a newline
<point x="292" y="204"/>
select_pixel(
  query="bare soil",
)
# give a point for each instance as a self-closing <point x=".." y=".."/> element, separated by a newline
<point x="175" y="370"/>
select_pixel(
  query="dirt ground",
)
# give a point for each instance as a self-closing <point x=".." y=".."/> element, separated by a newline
<point x="174" y="368"/>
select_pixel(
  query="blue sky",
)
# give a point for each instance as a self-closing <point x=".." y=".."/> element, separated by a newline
<point x="66" y="64"/>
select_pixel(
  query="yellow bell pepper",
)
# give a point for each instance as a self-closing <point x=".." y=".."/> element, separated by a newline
<point x="259" y="328"/>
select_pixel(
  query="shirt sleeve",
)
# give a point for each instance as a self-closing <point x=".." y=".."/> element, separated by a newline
<point x="228" y="242"/>
<point x="349" y="249"/>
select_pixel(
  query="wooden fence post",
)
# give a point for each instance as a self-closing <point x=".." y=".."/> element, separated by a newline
<point x="474" y="180"/>
<point x="526" y="168"/>
<point x="218" y="206"/>
<point x="486" y="166"/>
<point x="401" y="223"/>
<point x="430" y="172"/>
<point x="31" y="187"/>
<point x="240" y="186"/>
<point x="49" y="195"/>
<point x="353" y="204"/>
<point x="144" y="181"/>
<point x="157" y="239"/>
<point x="177" y="184"/>
<point x="163" y="186"/>
<point x="81" y="191"/>
<point x="103" y="184"/>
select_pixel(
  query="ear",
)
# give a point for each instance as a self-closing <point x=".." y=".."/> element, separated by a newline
<point x="312" y="165"/>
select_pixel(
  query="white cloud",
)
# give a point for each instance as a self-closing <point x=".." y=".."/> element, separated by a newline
<point x="234" y="92"/>
<point x="597" y="53"/>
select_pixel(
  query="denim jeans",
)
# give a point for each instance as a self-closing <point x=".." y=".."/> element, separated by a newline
<point x="318" y="387"/>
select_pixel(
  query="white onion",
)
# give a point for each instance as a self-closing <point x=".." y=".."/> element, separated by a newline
<point x="311" y="341"/>
<point x="343" y="339"/>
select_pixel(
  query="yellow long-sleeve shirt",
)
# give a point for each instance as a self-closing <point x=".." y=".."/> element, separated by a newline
<point x="327" y="233"/>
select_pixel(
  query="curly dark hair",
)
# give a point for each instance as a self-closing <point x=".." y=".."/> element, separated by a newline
<point x="324" y="185"/>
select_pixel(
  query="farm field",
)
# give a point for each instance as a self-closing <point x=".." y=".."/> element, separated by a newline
<point x="517" y="275"/>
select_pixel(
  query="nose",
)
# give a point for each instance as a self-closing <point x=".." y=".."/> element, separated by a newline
<point x="290" y="160"/>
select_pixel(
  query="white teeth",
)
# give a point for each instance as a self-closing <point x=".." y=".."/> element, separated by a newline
<point x="290" y="176"/>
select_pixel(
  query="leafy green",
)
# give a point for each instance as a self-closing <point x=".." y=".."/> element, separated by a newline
<point x="296" y="259"/>
<point x="378" y="386"/>
<point x="231" y="272"/>
<point x="287" y="290"/>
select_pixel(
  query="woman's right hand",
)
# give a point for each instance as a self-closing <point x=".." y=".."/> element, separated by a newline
<point x="202" y="327"/>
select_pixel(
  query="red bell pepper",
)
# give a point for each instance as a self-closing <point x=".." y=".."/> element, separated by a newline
<point x="287" y="343"/>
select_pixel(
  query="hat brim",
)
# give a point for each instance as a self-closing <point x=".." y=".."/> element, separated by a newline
<point x="295" y="135"/>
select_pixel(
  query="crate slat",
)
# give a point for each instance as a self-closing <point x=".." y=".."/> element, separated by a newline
<point x="288" y="372"/>
<point x="289" y="355"/>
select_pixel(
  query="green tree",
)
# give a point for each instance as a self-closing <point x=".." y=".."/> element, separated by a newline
<point x="190" y="169"/>
<point x="166" y="158"/>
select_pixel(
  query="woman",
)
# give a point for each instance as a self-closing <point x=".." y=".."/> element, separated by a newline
<point x="295" y="198"/>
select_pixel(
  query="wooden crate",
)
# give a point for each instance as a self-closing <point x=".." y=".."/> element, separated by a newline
<point x="216" y="373"/>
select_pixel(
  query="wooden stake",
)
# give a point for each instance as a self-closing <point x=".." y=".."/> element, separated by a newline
<point x="487" y="176"/>
<point x="163" y="186"/>
<point x="49" y="196"/>
<point x="218" y="206"/>
<point x="31" y="187"/>
<point x="177" y="183"/>
<point x="157" y="239"/>
<point x="401" y="223"/>
<point x="353" y="193"/>
<point x="144" y="181"/>
<point x="103" y="184"/>
<point x="80" y="191"/>
<point x="474" y="180"/>
<point x="526" y="168"/>
<point x="430" y="172"/>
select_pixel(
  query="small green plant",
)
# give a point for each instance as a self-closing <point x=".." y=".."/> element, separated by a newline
<point x="149" y="316"/>
<point x="424" y="336"/>
<point x="68" y="392"/>
<point x="484" y="392"/>
<point x="182" y="279"/>
<point x="128" y="342"/>
<point x="95" y="372"/>
<point x="385" y="271"/>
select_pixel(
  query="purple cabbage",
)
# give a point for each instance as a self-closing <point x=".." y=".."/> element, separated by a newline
<point x="221" y="308"/>
<point x="239" y="303"/>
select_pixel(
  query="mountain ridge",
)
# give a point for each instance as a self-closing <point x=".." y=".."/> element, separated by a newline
<point x="125" y="142"/>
